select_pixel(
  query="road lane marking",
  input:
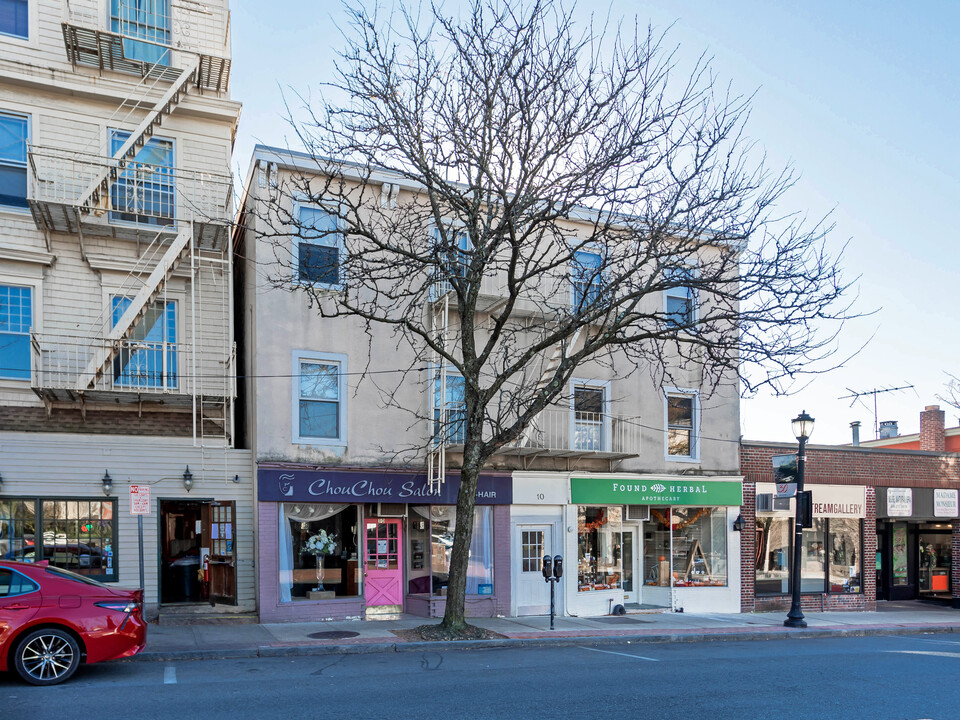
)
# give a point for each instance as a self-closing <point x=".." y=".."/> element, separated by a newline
<point x="932" y="653"/>
<point x="169" y="675"/>
<point x="610" y="652"/>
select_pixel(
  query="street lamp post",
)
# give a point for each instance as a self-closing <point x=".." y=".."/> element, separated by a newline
<point x="802" y="429"/>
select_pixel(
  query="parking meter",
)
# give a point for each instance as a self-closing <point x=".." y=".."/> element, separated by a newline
<point x="547" y="567"/>
<point x="558" y="566"/>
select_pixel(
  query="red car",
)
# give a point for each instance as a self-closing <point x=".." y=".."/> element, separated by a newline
<point x="51" y="620"/>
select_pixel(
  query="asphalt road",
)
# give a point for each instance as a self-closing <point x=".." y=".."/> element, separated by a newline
<point x="875" y="677"/>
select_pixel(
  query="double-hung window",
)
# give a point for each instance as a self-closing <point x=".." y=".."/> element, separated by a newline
<point x="145" y="190"/>
<point x="588" y="418"/>
<point x="148" y="358"/>
<point x="149" y="22"/>
<point x="680" y="300"/>
<point x="14" y="134"/>
<point x="682" y="423"/>
<point x="319" y="398"/>
<point x="449" y="408"/>
<point x="452" y="261"/>
<point x="16" y="319"/>
<point x="319" y="247"/>
<point x="14" y="18"/>
<point x="586" y="274"/>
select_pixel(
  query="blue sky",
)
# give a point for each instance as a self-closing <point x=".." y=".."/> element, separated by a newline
<point x="863" y="99"/>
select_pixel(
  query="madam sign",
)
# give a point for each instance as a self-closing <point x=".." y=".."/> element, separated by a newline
<point x="294" y="485"/>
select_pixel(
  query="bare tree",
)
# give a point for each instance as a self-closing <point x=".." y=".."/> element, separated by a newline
<point x="951" y="395"/>
<point x="567" y="168"/>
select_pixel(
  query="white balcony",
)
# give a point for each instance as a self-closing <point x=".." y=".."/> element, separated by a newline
<point x="148" y="40"/>
<point x="138" y="370"/>
<point x="143" y="199"/>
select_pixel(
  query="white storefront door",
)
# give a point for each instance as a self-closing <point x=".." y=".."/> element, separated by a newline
<point x="629" y="557"/>
<point x="533" y="592"/>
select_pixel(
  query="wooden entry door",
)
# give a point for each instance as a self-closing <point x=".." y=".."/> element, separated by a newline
<point x="383" y="562"/>
<point x="219" y="534"/>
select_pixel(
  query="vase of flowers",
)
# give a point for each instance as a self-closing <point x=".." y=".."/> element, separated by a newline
<point x="320" y="545"/>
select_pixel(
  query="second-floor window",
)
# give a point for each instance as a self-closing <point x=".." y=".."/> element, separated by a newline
<point x="319" y="248"/>
<point x="145" y="190"/>
<point x="319" y="389"/>
<point x="148" y="358"/>
<point x="681" y="300"/>
<point x="16" y="319"/>
<point x="682" y="425"/>
<point x="14" y="18"/>
<point x="449" y="409"/>
<point x="587" y="277"/>
<point x="148" y="20"/>
<point x="14" y="133"/>
<point x="588" y="418"/>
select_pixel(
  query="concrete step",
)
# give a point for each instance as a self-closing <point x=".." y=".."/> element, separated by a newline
<point x="203" y="615"/>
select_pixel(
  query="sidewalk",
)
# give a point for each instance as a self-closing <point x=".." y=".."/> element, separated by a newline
<point x="202" y="642"/>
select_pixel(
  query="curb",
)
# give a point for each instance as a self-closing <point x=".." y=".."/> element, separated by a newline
<point x="271" y="651"/>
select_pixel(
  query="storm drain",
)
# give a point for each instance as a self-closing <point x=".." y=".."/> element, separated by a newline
<point x="333" y="635"/>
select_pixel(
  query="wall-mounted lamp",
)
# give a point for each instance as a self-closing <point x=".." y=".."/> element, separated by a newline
<point x="187" y="479"/>
<point x="236" y="479"/>
<point x="739" y="524"/>
<point x="107" y="482"/>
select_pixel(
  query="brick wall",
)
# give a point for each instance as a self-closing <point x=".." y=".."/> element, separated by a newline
<point x="748" y="547"/>
<point x="96" y="422"/>
<point x="955" y="565"/>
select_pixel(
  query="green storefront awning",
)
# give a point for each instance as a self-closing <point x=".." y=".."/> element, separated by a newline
<point x="681" y="491"/>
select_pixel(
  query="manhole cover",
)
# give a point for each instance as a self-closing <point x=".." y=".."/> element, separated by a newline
<point x="333" y="635"/>
<point x="620" y="620"/>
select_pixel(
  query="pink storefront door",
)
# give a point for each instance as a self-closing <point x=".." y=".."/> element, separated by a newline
<point x="383" y="563"/>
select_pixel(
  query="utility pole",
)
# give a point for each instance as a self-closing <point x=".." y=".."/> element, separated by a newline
<point x="854" y="396"/>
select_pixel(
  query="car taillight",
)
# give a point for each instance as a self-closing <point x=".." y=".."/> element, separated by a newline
<point x="124" y="607"/>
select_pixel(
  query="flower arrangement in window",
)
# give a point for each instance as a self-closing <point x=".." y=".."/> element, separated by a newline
<point x="319" y="546"/>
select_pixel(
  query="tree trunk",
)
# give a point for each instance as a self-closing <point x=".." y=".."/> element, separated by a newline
<point x="453" y="616"/>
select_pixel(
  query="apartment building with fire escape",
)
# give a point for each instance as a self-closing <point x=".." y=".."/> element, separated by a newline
<point x="638" y="487"/>
<point x="117" y="360"/>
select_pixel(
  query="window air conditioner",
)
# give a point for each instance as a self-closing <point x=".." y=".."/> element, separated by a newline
<point x="638" y="512"/>
<point x="764" y="502"/>
<point x="391" y="510"/>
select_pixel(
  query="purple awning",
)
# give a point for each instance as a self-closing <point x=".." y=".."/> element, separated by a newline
<point x="355" y="486"/>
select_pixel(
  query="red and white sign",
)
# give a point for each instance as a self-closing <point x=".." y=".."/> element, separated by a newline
<point x="786" y="489"/>
<point x="139" y="499"/>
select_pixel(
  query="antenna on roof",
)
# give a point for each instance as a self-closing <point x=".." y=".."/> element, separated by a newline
<point x="854" y="396"/>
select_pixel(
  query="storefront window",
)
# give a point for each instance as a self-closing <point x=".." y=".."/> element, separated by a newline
<point x="844" y="555"/>
<point x="480" y="563"/>
<point x="656" y="548"/>
<point x="599" y="551"/>
<point x="813" y="557"/>
<point x="77" y="535"/>
<point x="935" y="558"/>
<point x="699" y="546"/>
<point x="773" y="555"/>
<point x="418" y="571"/>
<point x="301" y="570"/>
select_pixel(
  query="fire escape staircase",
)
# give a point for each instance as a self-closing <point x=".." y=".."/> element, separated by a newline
<point x="122" y="330"/>
<point x="97" y="193"/>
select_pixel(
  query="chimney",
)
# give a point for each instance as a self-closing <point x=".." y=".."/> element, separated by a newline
<point x="888" y="429"/>
<point x="855" y="428"/>
<point x="931" y="429"/>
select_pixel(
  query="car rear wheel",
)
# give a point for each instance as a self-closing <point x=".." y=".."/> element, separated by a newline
<point x="46" y="656"/>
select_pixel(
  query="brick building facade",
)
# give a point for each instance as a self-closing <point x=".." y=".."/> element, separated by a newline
<point x="874" y="469"/>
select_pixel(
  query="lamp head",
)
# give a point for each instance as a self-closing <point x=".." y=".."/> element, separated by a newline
<point x="802" y="426"/>
<point x="187" y="479"/>
<point x="107" y="483"/>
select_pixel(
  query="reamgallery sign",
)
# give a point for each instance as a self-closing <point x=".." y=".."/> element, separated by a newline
<point x="296" y="485"/>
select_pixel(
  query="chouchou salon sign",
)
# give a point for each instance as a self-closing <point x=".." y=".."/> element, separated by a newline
<point x="294" y="485"/>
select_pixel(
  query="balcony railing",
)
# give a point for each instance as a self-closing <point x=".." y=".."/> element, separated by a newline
<point x="559" y="432"/>
<point x="151" y="30"/>
<point x="135" y="366"/>
<point x="140" y="193"/>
